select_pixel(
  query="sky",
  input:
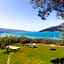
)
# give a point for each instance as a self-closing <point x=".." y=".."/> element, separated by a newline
<point x="19" y="14"/>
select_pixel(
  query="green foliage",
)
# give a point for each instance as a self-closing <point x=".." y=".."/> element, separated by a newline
<point x="23" y="40"/>
<point x="47" y="41"/>
<point x="62" y="35"/>
<point x="7" y="41"/>
<point x="45" y="7"/>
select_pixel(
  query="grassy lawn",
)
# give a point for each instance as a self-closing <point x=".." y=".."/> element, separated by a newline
<point x="3" y="56"/>
<point x="39" y="55"/>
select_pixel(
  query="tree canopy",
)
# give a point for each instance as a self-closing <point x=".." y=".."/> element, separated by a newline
<point x="45" y="7"/>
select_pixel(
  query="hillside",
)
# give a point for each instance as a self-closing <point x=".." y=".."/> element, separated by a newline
<point x="53" y="29"/>
<point x="3" y="30"/>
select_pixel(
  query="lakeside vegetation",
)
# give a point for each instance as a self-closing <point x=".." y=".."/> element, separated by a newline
<point x="4" y="41"/>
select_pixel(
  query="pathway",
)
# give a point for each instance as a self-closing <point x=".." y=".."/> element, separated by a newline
<point x="8" y="61"/>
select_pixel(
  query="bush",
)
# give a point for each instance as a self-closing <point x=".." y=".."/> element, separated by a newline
<point x="22" y="39"/>
<point x="47" y="41"/>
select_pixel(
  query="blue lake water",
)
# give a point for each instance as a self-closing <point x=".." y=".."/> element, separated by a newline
<point x="34" y="34"/>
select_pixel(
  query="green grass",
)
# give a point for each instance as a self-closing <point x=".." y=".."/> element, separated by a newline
<point x="39" y="55"/>
<point x="3" y="56"/>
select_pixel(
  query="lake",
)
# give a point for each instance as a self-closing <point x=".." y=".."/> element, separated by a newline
<point x="34" y="34"/>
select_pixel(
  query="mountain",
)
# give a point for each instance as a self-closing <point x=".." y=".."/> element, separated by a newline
<point x="3" y="30"/>
<point x="53" y="29"/>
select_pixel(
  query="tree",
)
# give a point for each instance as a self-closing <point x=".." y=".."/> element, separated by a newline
<point x="10" y="40"/>
<point x="62" y="35"/>
<point x="23" y="39"/>
<point x="6" y="41"/>
<point x="2" y="43"/>
<point x="45" y="7"/>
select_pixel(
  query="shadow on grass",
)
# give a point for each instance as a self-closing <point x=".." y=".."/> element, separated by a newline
<point x="58" y="61"/>
<point x="30" y="55"/>
<point x="10" y="51"/>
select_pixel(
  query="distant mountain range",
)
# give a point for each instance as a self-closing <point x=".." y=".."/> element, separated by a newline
<point x="53" y="29"/>
<point x="3" y="30"/>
